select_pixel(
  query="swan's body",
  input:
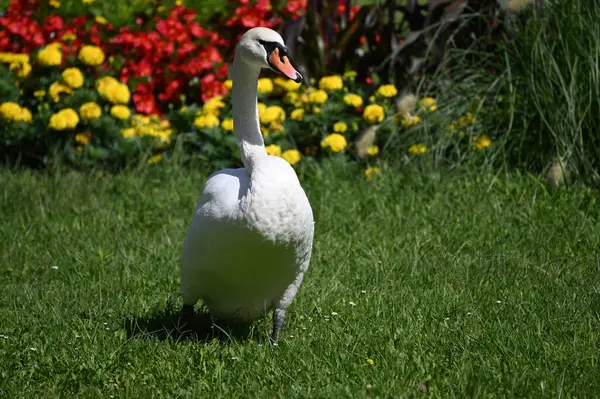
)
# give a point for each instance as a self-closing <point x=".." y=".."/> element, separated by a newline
<point x="250" y="238"/>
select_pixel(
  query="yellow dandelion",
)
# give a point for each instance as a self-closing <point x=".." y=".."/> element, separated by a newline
<point x="91" y="55"/>
<point x="56" y="89"/>
<point x="387" y="91"/>
<point x="331" y="83"/>
<point x="292" y="156"/>
<point x="353" y="100"/>
<point x="428" y="103"/>
<point x="73" y="77"/>
<point x="318" y="97"/>
<point x="227" y="125"/>
<point x="213" y="106"/>
<point x="373" y="150"/>
<point x="64" y="119"/>
<point x="153" y="160"/>
<point x="273" y="113"/>
<point x="417" y="149"/>
<point x="371" y="172"/>
<point x="83" y="138"/>
<point x="481" y="142"/>
<point x="274" y="150"/>
<point x="334" y="142"/>
<point x="409" y="120"/>
<point x="297" y="114"/>
<point x="51" y="55"/>
<point x="22" y="70"/>
<point x="120" y="112"/>
<point x="340" y="127"/>
<point x="265" y="86"/>
<point x="206" y="121"/>
<point x="374" y="113"/>
<point x="90" y="111"/>
<point x="129" y="132"/>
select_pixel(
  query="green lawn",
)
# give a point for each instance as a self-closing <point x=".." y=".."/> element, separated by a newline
<point x="455" y="286"/>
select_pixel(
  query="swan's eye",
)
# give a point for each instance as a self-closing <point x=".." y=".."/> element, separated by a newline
<point x="271" y="46"/>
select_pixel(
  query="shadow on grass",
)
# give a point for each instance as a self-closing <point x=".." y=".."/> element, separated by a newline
<point x="168" y="325"/>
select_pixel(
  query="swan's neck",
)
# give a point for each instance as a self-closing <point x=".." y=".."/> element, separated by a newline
<point x="245" y="113"/>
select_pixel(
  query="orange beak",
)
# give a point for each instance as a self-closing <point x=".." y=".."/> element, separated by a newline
<point x="283" y="65"/>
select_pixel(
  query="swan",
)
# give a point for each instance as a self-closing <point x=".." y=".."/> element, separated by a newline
<point x="249" y="242"/>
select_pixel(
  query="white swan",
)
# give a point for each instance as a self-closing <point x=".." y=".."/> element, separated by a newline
<point x="250" y="239"/>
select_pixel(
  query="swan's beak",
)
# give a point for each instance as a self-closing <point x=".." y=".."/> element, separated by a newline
<point x="283" y="65"/>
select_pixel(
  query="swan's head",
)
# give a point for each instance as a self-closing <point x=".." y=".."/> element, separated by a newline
<point x="264" y="48"/>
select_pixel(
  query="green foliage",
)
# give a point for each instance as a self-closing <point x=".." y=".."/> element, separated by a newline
<point x="469" y="287"/>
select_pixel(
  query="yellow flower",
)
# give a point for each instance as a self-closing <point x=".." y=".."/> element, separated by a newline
<point x="153" y="160"/>
<point x="350" y="74"/>
<point x="370" y="172"/>
<point x="467" y="119"/>
<point x="340" y="127"/>
<point x="51" y="55"/>
<point x="13" y="112"/>
<point x="83" y="138"/>
<point x="39" y="93"/>
<point x="120" y="112"/>
<point x="292" y="156"/>
<point x="213" y="106"/>
<point x="276" y="127"/>
<point x="291" y="97"/>
<point x="373" y="150"/>
<point x="113" y="90"/>
<point x="374" y="113"/>
<point x="228" y="84"/>
<point x="353" y="100"/>
<point x="101" y="20"/>
<point x="90" y="111"/>
<point x="129" y="132"/>
<point x="428" y="103"/>
<point x="22" y="70"/>
<point x="91" y="55"/>
<point x="261" y="107"/>
<point x="64" y="119"/>
<point x="73" y="77"/>
<point x="274" y="150"/>
<point x="417" y="149"/>
<point x="9" y="58"/>
<point x="227" y="125"/>
<point x="87" y="1"/>
<point x="318" y="97"/>
<point x="331" y="83"/>
<point x="265" y="86"/>
<point x="481" y="142"/>
<point x="286" y="84"/>
<point x="372" y="99"/>
<point x="68" y="37"/>
<point x="409" y="120"/>
<point x="335" y="142"/>
<point x="54" y="3"/>
<point x="208" y="120"/>
<point x="297" y="114"/>
<point x="273" y="113"/>
<point x="387" y="91"/>
<point x="56" y="89"/>
<point x="264" y="131"/>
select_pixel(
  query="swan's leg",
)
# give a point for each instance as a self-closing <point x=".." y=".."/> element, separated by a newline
<point x="280" y="309"/>
<point x="278" y="321"/>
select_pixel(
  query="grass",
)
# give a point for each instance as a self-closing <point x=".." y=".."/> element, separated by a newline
<point x="454" y="285"/>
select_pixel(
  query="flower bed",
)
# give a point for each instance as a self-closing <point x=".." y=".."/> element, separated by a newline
<point x="102" y="95"/>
